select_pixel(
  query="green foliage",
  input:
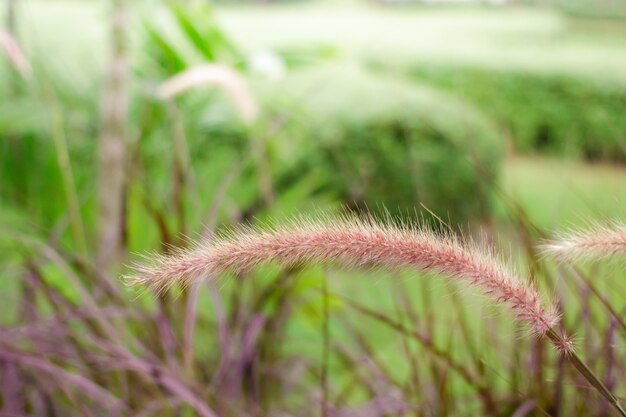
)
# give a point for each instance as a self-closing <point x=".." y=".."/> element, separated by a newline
<point x="200" y="27"/>
<point x="38" y="117"/>
<point x="549" y="114"/>
<point x="161" y="52"/>
<point x="188" y="36"/>
<point x="597" y="9"/>
<point x="385" y="142"/>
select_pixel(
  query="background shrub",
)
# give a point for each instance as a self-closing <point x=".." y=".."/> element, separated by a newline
<point x="384" y="140"/>
<point x="550" y="114"/>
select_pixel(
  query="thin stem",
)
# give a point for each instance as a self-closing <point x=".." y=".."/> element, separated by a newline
<point x="584" y="370"/>
<point x="69" y="184"/>
<point x="325" y="347"/>
<point x="113" y="143"/>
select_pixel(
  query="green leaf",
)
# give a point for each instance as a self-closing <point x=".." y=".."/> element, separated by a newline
<point x="175" y="62"/>
<point x="190" y="28"/>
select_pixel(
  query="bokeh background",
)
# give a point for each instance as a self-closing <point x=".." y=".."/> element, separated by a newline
<point x="130" y="127"/>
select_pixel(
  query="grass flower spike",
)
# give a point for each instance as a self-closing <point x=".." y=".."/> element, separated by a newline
<point x="595" y="243"/>
<point x="353" y="243"/>
<point x="366" y="243"/>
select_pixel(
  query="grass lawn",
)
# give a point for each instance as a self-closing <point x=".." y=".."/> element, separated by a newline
<point x="537" y="40"/>
<point x="560" y="194"/>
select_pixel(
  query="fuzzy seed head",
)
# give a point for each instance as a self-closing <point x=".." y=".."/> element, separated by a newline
<point x="597" y="242"/>
<point x="352" y="243"/>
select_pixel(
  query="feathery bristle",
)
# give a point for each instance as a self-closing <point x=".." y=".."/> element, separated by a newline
<point x="565" y="346"/>
<point x="352" y="243"/>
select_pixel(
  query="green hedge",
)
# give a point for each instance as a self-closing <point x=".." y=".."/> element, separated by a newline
<point x="386" y="142"/>
<point x="548" y="114"/>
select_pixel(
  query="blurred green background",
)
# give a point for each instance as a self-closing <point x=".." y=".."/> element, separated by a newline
<point x="503" y="119"/>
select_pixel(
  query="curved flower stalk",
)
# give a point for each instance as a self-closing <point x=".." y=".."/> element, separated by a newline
<point x="217" y="75"/>
<point x="353" y="243"/>
<point x="15" y="54"/>
<point x="598" y="242"/>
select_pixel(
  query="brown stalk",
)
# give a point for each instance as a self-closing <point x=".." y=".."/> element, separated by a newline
<point x="560" y="342"/>
<point x="113" y="143"/>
